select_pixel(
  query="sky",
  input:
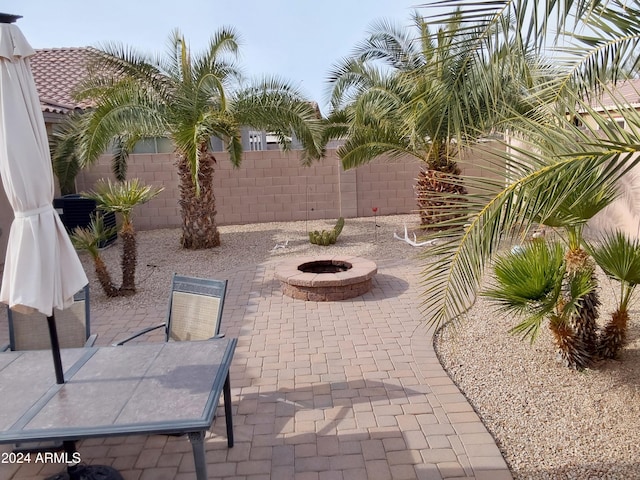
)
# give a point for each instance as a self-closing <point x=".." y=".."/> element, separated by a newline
<point x="298" y="40"/>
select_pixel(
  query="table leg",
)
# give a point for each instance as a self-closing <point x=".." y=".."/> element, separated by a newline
<point x="197" y="444"/>
<point x="227" y="410"/>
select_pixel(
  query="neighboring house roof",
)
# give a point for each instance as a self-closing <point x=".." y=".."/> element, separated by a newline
<point x="57" y="72"/>
<point x="625" y="94"/>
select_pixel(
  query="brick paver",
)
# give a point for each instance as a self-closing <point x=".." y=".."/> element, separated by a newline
<point x="328" y="390"/>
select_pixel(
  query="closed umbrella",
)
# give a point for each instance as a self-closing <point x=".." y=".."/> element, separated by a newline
<point x="42" y="270"/>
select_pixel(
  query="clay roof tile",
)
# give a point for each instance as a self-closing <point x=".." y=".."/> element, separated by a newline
<point x="57" y="72"/>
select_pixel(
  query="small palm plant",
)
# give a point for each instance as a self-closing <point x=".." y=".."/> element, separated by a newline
<point x="568" y="214"/>
<point x="619" y="258"/>
<point x="122" y="197"/>
<point x="87" y="239"/>
<point x="532" y="283"/>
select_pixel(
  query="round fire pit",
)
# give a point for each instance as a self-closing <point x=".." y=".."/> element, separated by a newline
<point x="325" y="279"/>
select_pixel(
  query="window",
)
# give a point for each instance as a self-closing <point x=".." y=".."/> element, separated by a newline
<point x="154" y="145"/>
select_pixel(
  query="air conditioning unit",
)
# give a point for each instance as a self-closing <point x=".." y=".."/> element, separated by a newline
<point x="76" y="211"/>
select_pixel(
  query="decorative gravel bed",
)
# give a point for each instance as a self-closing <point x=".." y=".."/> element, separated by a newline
<point x="549" y="422"/>
<point x="160" y="254"/>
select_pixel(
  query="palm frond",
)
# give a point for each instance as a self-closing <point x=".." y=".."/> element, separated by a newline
<point x="618" y="256"/>
<point x="90" y="237"/>
<point x="454" y="269"/>
<point x="591" y="40"/>
<point x="64" y="154"/>
<point x="122" y="197"/>
<point x="273" y="104"/>
<point x="527" y="275"/>
<point x="527" y="284"/>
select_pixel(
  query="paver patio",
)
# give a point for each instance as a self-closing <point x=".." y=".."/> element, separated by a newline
<point x="343" y="390"/>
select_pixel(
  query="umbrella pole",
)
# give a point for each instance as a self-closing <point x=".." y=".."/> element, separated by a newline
<point x="55" y="349"/>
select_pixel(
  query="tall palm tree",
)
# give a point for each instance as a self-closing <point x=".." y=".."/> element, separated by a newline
<point x="419" y="92"/>
<point x="556" y="158"/>
<point x="190" y="99"/>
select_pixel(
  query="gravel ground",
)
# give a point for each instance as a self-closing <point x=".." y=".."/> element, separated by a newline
<point x="160" y="254"/>
<point x="550" y="422"/>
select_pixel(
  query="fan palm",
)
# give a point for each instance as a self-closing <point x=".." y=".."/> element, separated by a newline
<point x="122" y="197"/>
<point x="532" y="283"/>
<point x="566" y="208"/>
<point x="190" y="99"/>
<point x="88" y="239"/>
<point x="420" y="93"/>
<point x="619" y="258"/>
<point x="549" y="174"/>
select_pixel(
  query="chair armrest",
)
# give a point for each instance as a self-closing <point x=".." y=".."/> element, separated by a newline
<point x="91" y="340"/>
<point x="136" y="335"/>
<point x="4" y="348"/>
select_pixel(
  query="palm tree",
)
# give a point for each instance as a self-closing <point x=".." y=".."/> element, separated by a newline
<point x="570" y="299"/>
<point x="529" y="284"/>
<point x="122" y="197"/>
<point x="420" y="93"/>
<point x="546" y="172"/>
<point x="619" y="258"/>
<point x="190" y="99"/>
<point x="88" y="239"/>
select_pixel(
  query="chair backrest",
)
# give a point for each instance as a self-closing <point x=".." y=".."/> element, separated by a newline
<point x="30" y="331"/>
<point x="195" y="308"/>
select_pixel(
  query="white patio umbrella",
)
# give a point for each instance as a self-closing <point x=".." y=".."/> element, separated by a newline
<point x="42" y="270"/>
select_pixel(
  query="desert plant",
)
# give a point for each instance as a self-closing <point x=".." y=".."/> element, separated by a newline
<point x="532" y="283"/>
<point x="553" y="158"/>
<point x="88" y="239"/>
<point x="122" y="197"/>
<point x="327" y="237"/>
<point x="190" y="99"/>
<point x="619" y="258"/>
<point x="416" y="91"/>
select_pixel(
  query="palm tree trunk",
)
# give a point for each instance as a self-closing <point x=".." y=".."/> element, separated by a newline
<point x="570" y="348"/>
<point x="614" y="335"/>
<point x="585" y="326"/>
<point x="433" y="186"/>
<point x="584" y="320"/>
<point x="104" y="278"/>
<point x="129" y="259"/>
<point x="199" y="229"/>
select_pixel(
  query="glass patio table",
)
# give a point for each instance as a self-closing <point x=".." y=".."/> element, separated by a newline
<point x="150" y="388"/>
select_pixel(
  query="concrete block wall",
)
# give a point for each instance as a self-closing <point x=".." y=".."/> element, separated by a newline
<point x="273" y="186"/>
<point x="153" y="169"/>
<point x="388" y="185"/>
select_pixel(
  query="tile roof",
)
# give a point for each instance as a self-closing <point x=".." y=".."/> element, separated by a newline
<point x="626" y="93"/>
<point x="57" y="72"/>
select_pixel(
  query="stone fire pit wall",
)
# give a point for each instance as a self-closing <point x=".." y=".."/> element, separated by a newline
<point x="326" y="287"/>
